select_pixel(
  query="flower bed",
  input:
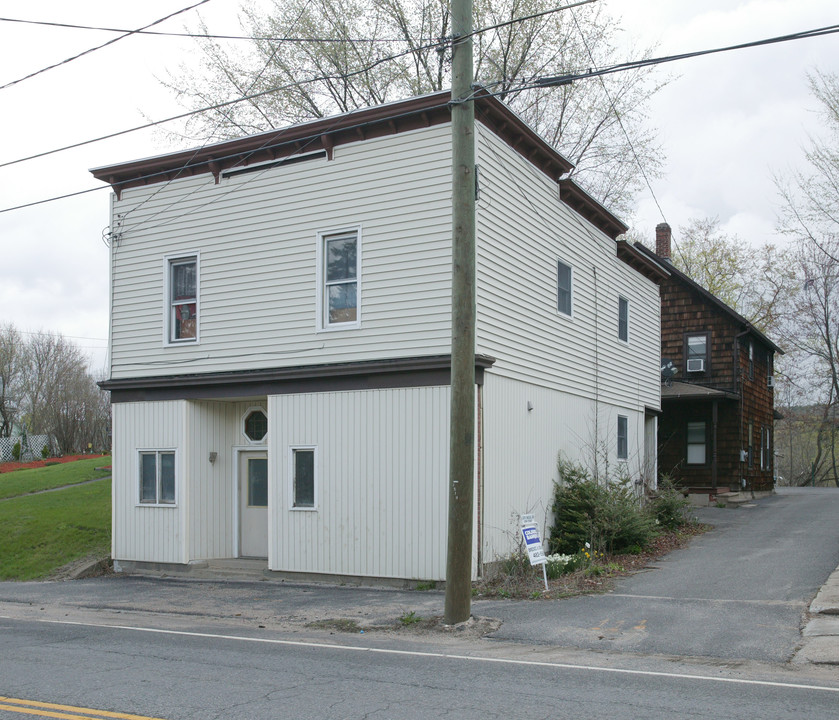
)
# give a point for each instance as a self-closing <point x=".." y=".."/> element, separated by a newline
<point x="10" y="466"/>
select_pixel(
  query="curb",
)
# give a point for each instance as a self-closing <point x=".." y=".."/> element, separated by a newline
<point x="821" y="633"/>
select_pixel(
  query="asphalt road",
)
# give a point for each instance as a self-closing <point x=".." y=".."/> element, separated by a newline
<point x="736" y="592"/>
<point x="207" y="676"/>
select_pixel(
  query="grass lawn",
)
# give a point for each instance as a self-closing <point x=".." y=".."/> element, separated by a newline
<point x="41" y="533"/>
<point x="23" y="482"/>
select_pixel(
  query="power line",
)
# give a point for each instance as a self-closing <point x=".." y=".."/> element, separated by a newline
<point x="99" y="47"/>
<point x="637" y="64"/>
<point x="526" y="85"/>
<point x="202" y="36"/>
<point x="437" y="43"/>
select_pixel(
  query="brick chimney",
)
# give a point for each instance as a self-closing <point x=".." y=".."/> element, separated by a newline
<point x="662" y="241"/>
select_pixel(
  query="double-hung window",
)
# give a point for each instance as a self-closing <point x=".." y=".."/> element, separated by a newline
<point x="765" y="457"/>
<point x="157" y="477"/>
<point x="182" y="299"/>
<point x="696" y="443"/>
<point x="338" y="279"/>
<point x="623" y="319"/>
<point x="623" y="438"/>
<point x="696" y="353"/>
<point x="563" y="288"/>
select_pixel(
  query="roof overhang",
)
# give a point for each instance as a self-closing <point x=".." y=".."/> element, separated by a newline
<point x="327" y="133"/>
<point x="648" y="267"/>
<point x="575" y="197"/>
<point x="688" y="391"/>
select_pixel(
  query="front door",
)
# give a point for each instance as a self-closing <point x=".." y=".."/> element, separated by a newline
<point x="253" y="504"/>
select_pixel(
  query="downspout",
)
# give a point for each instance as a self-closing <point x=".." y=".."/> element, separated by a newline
<point x="596" y="376"/>
<point x="479" y="485"/>
<point x="714" y="419"/>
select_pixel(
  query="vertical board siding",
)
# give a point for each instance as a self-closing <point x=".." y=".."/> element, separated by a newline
<point x="520" y="450"/>
<point x="382" y="482"/>
<point x="257" y="238"/>
<point x="144" y="533"/>
<point x="523" y="229"/>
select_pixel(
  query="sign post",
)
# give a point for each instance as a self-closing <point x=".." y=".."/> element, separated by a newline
<point x="533" y="543"/>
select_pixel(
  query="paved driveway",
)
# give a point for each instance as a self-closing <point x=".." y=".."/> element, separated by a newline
<point x="737" y="592"/>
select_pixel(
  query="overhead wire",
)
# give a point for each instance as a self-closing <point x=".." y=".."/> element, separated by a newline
<point x="217" y="106"/>
<point x="524" y="85"/>
<point x="99" y="47"/>
<point x="200" y="36"/>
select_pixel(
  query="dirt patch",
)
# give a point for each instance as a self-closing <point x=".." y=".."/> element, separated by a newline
<point x="12" y="466"/>
<point x="86" y="567"/>
<point x="412" y="624"/>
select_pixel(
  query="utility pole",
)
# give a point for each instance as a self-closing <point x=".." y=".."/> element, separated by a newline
<point x="458" y="607"/>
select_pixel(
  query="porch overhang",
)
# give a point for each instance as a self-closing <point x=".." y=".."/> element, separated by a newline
<point x="681" y="391"/>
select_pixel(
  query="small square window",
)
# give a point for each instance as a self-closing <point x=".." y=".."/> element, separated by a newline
<point x="303" y="477"/>
<point x="623" y="438"/>
<point x="563" y="288"/>
<point x="623" y="319"/>
<point x="157" y="477"/>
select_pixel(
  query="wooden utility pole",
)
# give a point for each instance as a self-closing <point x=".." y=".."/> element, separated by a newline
<point x="462" y="431"/>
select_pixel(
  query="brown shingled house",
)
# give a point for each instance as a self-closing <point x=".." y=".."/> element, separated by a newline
<point x="715" y="433"/>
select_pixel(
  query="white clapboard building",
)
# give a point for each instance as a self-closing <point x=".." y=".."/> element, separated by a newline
<point x="280" y="339"/>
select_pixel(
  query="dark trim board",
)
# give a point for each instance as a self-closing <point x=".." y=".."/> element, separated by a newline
<point x="369" y="375"/>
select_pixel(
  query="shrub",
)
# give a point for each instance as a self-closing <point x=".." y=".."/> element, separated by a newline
<point x="16" y="451"/>
<point x="608" y="516"/>
<point x="669" y="505"/>
<point x="45" y="452"/>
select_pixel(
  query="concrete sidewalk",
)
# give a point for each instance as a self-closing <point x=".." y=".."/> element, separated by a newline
<point x="821" y="633"/>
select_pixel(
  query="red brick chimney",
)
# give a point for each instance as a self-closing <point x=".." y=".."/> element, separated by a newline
<point x="662" y="241"/>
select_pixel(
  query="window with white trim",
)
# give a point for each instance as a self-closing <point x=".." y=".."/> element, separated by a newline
<point x="623" y="437"/>
<point x="303" y="478"/>
<point x="182" y="299"/>
<point x="564" y="278"/>
<point x="623" y="319"/>
<point x="696" y="443"/>
<point x="338" y="279"/>
<point x="157" y="477"/>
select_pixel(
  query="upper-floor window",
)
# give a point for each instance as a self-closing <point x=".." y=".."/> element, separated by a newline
<point x="623" y="438"/>
<point x="623" y="319"/>
<point x="751" y="360"/>
<point x="338" y="279"/>
<point x="563" y="287"/>
<point x="182" y="299"/>
<point x="696" y="352"/>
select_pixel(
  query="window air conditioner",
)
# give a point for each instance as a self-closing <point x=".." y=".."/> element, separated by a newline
<point x="696" y="365"/>
<point x="770" y="381"/>
<point x="744" y="455"/>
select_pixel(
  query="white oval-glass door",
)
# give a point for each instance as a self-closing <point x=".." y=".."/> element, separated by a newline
<point x="253" y="504"/>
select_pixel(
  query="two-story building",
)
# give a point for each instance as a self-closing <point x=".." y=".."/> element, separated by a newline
<point x="280" y="343"/>
<point x="716" y="429"/>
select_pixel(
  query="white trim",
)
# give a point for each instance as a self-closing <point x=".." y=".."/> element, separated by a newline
<point x="557" y="311"/>
<point x="138" y="477"/>
<point x="168" y="260"/>
<point x="290" y="463"/>
<point x="320" y="324"/>
<point x="253" y="443"/>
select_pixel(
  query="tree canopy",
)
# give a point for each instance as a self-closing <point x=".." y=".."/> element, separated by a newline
<point x="320" y="57"/>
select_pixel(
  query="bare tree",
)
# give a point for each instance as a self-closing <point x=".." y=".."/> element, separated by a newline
<point x="356" y="53"/>
<point x="11" y="377"/>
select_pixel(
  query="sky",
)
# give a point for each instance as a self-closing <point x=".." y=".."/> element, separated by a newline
<point x="727" y="124"/>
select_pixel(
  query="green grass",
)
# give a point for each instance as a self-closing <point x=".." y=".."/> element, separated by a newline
<point x="23" y="482"/>
<point x="41" y="533"/>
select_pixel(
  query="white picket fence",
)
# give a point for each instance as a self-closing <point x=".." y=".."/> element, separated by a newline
<point x="31" y="447"/>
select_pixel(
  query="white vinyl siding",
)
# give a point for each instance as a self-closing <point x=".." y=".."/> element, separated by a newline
<point x="381" y="482"/>
<point x="147" y="532"/>
<point x="258" y="268"/>
<point x="520" y="449"/>
<point x="523" y="228"/>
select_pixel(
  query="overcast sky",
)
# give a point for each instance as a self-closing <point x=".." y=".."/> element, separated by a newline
<point x="726" y="123"/>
